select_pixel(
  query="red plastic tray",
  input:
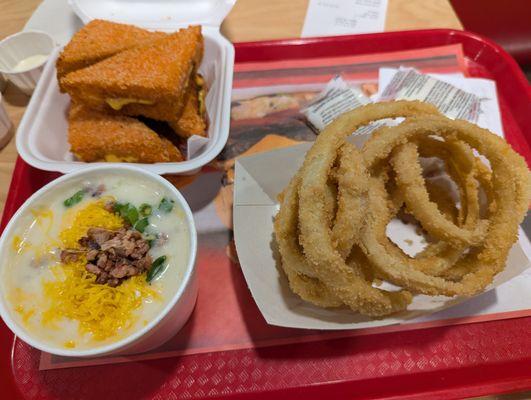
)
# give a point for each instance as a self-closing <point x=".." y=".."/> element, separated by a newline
<point x="445" y="362"/>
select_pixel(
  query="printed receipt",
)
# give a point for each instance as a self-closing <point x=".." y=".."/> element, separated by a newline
<point x="343" y="17"/>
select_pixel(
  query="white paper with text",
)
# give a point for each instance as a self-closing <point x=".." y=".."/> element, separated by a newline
<point x="344" y="17"/>
<point x="472" y="99"/>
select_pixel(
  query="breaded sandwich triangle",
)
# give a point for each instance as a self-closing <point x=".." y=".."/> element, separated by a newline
<point x="96" y="136"/>
<point x="150" y="80"/>
<point x="98" y="40"/>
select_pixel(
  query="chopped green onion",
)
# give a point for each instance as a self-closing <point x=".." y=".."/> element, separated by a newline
<point x="118" y="207"/>
<point x="145" y="209"/>
<point x="131" y="214"/>
<point x="166" y="205"/>
<point x="156" y="268"/>
<point x="141" y="224"/>
<point x="127" y="211"/>
<point x="76" y="198"/>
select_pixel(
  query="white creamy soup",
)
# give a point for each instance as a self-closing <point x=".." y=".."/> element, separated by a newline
<point x="96" y="261"/>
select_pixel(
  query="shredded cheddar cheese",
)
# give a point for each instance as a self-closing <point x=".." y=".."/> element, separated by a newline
<point x="43" y="218"/>
<point x="26" y="314"/>
<point x="19" y="244"/>
<point x="42" y="214"/>
<point x="101" y="310"/>
<point x="22" y="301"/>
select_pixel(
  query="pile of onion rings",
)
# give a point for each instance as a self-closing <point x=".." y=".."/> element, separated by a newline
<point x="331" y="226"/>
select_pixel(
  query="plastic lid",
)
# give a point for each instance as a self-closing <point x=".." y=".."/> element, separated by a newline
<point x="155" y="14"/>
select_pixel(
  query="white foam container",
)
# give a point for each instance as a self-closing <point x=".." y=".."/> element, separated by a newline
<point x="42" y="135"/>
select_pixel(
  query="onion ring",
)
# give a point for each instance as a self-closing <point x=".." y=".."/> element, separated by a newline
<point x="442" y="197"/>
<point x="353" y="180"/>
<point x="321" y="156"/>
<point x="458" y="157"/>
<point x="460" y="163"/>
<point x="300" y="274"/>
<point x="511" y="191"/>
<point x="316" y="237"/>
<point x="410" y="182"/>
<point x="331" y="227"/>
<point x="436" y="258"/>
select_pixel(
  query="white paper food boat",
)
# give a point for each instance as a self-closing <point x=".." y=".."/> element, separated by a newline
<point x="258" y="181"/>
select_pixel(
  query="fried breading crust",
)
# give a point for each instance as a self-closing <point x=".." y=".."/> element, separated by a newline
<point x="191" y="122"/>
<point x="96" y="136"/>
<point x="174" y="154"/>
<point x="158" y="72"/>
<point x="99" y="40"/>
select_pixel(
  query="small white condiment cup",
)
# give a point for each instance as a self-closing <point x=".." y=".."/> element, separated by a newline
<point x="20" y="47"/>
<point x="165" y="324"/>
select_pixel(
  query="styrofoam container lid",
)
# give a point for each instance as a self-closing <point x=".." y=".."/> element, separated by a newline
<point x="42" y="137"/>
<point x="155" y="14"/>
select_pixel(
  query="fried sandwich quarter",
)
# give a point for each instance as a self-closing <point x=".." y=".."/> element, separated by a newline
<point x="98" y="40"/>
<point x="98" y="136"/>
<point x="149" y="80"/>
<point x="193" y="119"/>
